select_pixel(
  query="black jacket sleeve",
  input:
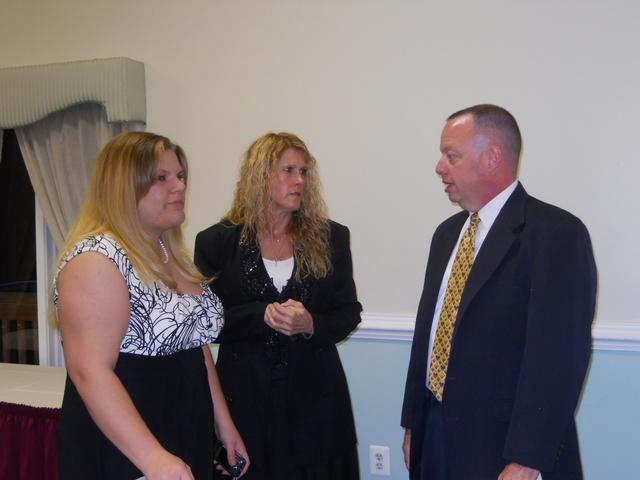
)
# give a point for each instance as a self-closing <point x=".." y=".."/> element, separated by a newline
<point x="556" y="357"/>
<point x="335" y="308"/>
<point x="216" y="254"/>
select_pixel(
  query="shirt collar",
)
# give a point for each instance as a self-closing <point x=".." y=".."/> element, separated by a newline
<point x="490" y="211"/>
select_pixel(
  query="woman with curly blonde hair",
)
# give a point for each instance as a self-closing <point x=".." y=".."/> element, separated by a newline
<point x="283" y="272"/>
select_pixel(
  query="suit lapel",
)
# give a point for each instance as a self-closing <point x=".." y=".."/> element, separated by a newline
<point x="445" y="249"/>
<point x="443" y="254"/>
<point x="495" y="246"/>
<point x="438" y="258"/>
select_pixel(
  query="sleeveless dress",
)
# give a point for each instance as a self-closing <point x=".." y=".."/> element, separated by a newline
<point x="161" y="365"/>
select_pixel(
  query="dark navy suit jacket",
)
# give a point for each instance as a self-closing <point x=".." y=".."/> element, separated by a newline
<point x="520" y="347"/>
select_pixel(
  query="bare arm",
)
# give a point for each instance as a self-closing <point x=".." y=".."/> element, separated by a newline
<point x="225" y="428"/>
<point x="93" y="308"/>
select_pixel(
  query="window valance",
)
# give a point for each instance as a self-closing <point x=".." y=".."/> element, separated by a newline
<point x="30" y="93"/>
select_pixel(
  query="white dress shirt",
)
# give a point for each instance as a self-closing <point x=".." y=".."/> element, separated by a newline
<point x="487" y="215"/>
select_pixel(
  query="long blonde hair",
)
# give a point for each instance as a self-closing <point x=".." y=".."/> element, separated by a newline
<point x="123" y="173"/>
<point x="309" y="226"/>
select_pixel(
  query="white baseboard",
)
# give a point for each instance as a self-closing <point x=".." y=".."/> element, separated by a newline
<point x="383" y="326"/>
<point x="616" y="336"/>
<point x="607" y="335"/>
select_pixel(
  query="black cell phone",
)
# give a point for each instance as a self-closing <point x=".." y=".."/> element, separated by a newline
<point x="220" y="456"/>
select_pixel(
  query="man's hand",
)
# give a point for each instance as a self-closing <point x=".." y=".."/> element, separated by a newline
<point x="406" y="446"/>
<point x="514" y="471"/>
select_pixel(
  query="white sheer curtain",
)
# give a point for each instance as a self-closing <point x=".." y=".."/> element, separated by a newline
<point x="59" y="152"/>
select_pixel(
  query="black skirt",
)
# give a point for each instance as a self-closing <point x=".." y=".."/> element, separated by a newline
<point x="172" y="395"/>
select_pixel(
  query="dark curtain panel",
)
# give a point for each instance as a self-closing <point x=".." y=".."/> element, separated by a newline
<point x="17" y="206"/>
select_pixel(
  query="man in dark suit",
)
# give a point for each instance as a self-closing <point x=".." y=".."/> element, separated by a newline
<point x="495" y="398"/>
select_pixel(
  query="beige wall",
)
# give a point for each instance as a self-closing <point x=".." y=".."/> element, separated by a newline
<point x="367" y="84"/>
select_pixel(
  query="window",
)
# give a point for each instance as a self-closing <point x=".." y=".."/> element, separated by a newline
<point x="18" y="275"/>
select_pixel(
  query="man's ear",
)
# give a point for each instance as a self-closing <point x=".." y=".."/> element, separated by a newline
<point x="493" y="158"/>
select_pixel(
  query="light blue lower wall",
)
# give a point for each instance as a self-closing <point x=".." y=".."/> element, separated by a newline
<point x="376" y="371"/>
<point x="608" y="415"/>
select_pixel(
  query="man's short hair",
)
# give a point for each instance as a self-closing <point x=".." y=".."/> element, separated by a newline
<point x="493" y="117"/>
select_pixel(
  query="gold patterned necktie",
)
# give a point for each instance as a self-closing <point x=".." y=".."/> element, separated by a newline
<point x="442" y="343"/>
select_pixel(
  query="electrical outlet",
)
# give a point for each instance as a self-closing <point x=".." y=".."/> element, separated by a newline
<point x="379" y="460"/>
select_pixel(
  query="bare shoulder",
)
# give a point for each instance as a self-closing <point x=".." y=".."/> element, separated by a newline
<point x="92" y="289"/>
<point x="89" y="272"/>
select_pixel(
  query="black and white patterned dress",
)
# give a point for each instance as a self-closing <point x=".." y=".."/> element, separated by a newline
<point x="161" y="366"/>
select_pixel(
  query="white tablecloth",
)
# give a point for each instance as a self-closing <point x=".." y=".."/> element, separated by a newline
<point x="33" y="385"/>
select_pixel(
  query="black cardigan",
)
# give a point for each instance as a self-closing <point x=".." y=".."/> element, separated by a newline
<point x="320" y="417"/>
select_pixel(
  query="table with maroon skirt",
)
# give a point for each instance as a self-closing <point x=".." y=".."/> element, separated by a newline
<point x="30" y="400"/>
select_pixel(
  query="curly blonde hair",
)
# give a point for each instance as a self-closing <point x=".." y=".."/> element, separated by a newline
<point x="309" y="226"/>
<point x="123" y="173"/>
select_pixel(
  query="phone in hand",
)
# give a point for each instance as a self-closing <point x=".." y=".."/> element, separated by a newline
<point x="220" y="456"/>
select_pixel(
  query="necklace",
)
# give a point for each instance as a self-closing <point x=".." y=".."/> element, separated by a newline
<point x="165" y="254"/>
<point x="277" y="247"/>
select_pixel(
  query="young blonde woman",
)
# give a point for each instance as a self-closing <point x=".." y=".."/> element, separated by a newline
<point x="142" y="395"/>
<point x="283" y="273"/>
